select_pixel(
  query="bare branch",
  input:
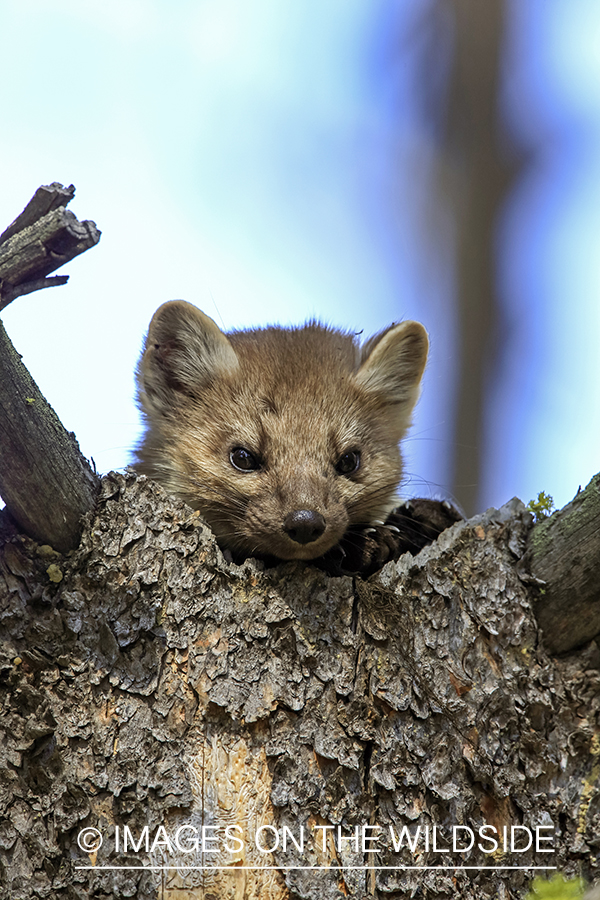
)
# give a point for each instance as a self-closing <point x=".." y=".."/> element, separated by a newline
<point x="29" y="287"/>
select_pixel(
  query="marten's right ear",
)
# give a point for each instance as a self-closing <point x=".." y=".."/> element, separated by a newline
<point x="392" y="367"/>
<point x="184" y="350"/>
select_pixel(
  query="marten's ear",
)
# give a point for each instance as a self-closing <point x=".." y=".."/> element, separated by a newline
<point x="392" y="364"/>
<point x="184" y="350"/>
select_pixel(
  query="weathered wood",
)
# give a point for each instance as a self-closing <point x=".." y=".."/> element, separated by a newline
<point x="46" y="483"/>
<point x="564" y="556"/>
<point x="47" y="198"/>
<point x="42" y="238"/>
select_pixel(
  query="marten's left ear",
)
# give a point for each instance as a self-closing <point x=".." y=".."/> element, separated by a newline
<point x="184" y="351"/>
<point x="393" y="362"/>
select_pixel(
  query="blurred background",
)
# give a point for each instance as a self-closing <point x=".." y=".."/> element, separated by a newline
<point x="359" y="161"/>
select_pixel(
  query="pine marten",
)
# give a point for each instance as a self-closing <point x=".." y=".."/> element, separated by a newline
<point x="282" y="438"/>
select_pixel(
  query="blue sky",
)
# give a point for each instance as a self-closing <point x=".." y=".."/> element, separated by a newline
<point x="263" y="160"/>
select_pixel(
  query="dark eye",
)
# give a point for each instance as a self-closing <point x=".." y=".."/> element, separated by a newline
<point x="348" y="463"/>
<point x="242" y="459"/>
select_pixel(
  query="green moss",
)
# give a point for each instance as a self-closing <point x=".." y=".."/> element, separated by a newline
<point x="54" y="573"/>
<point x="542" y="507"/>
<point x="558" y="888"/>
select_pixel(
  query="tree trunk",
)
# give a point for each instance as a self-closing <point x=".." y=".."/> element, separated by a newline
<point x="564" y="557"/>
<point x="150" y="690"/>
<point x="45" y="481"/>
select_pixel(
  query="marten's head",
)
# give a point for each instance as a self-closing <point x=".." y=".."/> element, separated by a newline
<point x="281" y="438"/>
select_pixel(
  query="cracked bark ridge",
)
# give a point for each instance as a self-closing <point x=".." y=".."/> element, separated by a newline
<point x="146" y="681"/>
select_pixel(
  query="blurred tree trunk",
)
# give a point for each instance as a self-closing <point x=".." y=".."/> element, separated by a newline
<point x="473" y="182"/>
<point x="147" y="684"/>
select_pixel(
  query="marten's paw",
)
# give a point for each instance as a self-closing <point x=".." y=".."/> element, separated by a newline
<point x="410" y="527"/>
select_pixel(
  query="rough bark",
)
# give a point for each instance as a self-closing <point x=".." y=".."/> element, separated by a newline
<point x="146" y="681"/>
<point x="45" y="482"/>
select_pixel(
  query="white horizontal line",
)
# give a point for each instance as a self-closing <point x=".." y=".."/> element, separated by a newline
<point x="235" y="868"/>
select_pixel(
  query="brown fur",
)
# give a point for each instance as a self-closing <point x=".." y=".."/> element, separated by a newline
<point x="297" y="399"/>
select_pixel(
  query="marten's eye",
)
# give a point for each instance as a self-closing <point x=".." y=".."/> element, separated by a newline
<point x="242" y="459"/>
<point x="348" y="463"/>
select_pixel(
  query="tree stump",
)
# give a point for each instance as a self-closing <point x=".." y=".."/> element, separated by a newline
<point x="161" y="695"/>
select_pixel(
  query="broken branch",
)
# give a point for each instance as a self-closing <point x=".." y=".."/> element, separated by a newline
<point x="46" y="483"/>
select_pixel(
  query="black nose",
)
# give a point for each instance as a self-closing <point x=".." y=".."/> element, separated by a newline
<point x="304" y="525"/>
